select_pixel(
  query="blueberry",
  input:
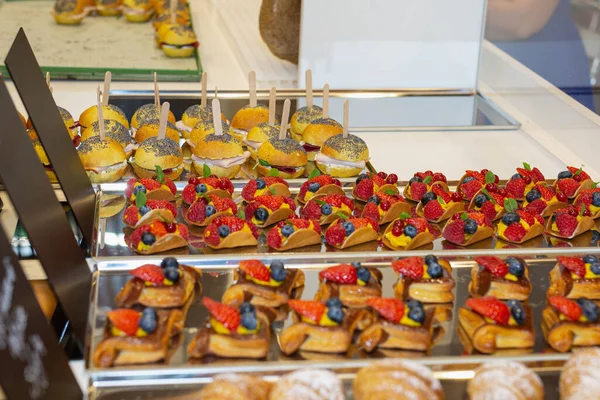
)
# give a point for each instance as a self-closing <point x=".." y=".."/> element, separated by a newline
<point x="313" y="186"/>
<point x="595" y="268"/>
<point x="360" y="178"/>
<point x="249" y="321"/>
<point x="595" y="237"/>
<point x="278" y="272"/>
<point x="480" y="199"/>
<point x="517" y="310"/>
<point x="374" y="199"/>
<point x="414" y="179"/>
<point x="246" y="307"/>
<point x="355" y="264"/>
<point x="515" y="176"/>
<point x="414" y="303"/>
<point x="417" y="313"/>
<point x="590" y="259"/>
<point x="336" y="314"/>
<point x="596" y="199"/>
<point x="148" y="320"/>
<point x="224" y="231"/>
<point x="326" y="209"/>
<point x="287" y="230"/>
<point x="510" y="218"/>
<point x="565" y="174"/>
<point x="148" y="238"/>
<point x="427" y="197"/>
<point x="348" y="227"/>
<point x="334" y="302"/>
<point x="169" y="262"/>
<point x="144" y="210"/>
<point x="210" y="210"/>
<point x="139" y="188"/>
<point x="532" y="195"/>
<point x="201" y="188"/>
<point x="435" y="270"/>
<point x="430" y="258"/>
<point x="589" y="309"/>
<point x="363" y="274"/>
<point x="260" y="184"/>
<point x="468" y="179"/>
<point x="277" y="264"/>
<point x="515" y="266"/>
<point x="470" y="226"/>
<point x="261" y="214"/>
<point x="172" y="274"/>
<point x="410" y="231"/>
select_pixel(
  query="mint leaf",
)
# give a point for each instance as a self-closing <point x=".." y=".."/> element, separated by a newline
<point x="273" y="172"/>
<point x="341" y="215"/>
<point x="319" y="202"/>
<point x="595" y="185"/>
<point x="272" y="190"/>
<point x="390" y="192"/>
<point x="527" y="166"/>
<point x="464" y="216"/>
<point x="314" y="173"/>
<point x="140" y="199"/>
<point x="510" y="205"/>
<point x="582" y="210"/>
<point x="160" y="176"/>
<point x="427" y="180"/>
<point x="441" y="201"/>
<point x="489" y="196"/>
<point x="490" y="177"/>
<point x="263" y="163"/>
<point x="206" y="171"/>
<point x="404" y="215"/>
<point x="241" y="214"/>
<point x="579" y="171"/>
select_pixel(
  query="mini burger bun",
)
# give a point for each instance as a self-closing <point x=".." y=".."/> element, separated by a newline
<point x="282" y="152"/>
<point x="150" y="129"/>
<point x="41" y="153"/>
<point x="302" y="118"/>
<point x="64" y="14"/>
<point x="177" y="35"/>
<point x="320" y="130"/>
<point x="145" y="7"/>
<point x="67" y="119"/>
<point x="94" y="152"/>
<point x="218" y="147"/>
<point x="196" y="113"/>
<point x="203" y="129"/>
<point x="162" y="152"/>
<point x="248" y="117"/>
<point x="109" y="112"/>
<point x="263" y="132"/>
<point x="113" y="130"/>
<point x="351" y="148"/>
<point x="146" y="113"/>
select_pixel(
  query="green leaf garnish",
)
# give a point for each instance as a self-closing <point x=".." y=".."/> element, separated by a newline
<point x="441" y="201"/>
<point x="490" y="177"/>
<point x="140" y="199"/>
<point x="427" y="180"/>
<point x="489" y="196"/>
<point x="241" y="214"/>
<point x="595" y="185"/>
<point x="263" y="163"/>
<point x="464" y="216"/>
<point x="206" y="171"/>
<point x="510" y="205"/>
<point x="314" y="173"/>
<point x="579" y="171"/>
<point x="160" y="175"/>
<point x="390" y="192"/>
<point x="582" y="210"/>
<point x="341" y="215"/>
<point x="273" y="172"/>
<point x="527" y="166"/>
<point x="404" y="215"/>
<point x="272" y="190"/>
<point x="319" y="202"/>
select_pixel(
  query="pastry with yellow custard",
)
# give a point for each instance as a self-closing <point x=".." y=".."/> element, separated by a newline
<point x="208" y="207"/>
<point x="294" y="233"/>
<point x="398" y="325"/>
<point x="572" y="181"/>
<point x="490" y="203"/>
<point x="504" y="279"/>
<point x="348" y="232"/>
<point x="267" y="210"/>
<point x="439" y="204"/>
<point x="352" y="284"/>
<point x="144" y="211"/>
<point x="544" y="200"/>
<point x="575" y="277"/>
<point x="569" y="222"/>
<point x="266" y="185"/>
<point x="523" y="181"/>
<point x="211" y="185"/>
<point x="519" y="226"/>
<point x="157" y="237"/>
<point x="569" y="323"/>
<point x="319" y="185"/>
<point x="229" y="232"/>
<point x="367" y="184"/>
<point x="591" y="199"/>
<point x="328" y="209"/>
<point x="422" y="182"/>
<point x="428" y="279"/>
<point x="406" y="233"/>
<point x="466" y="228"/>
<point x="385" y="207"/>
<point x="487" y="324"/>
<point x="158" y="188"/>
<point x="233" y="332"/>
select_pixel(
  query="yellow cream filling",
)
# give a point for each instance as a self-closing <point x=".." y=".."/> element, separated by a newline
<point x="511" y="321"/>
<point x="343" y="208"/>
<point x="257" y="222"/>
<point x="555" y="227"/>
<point x="563" y="317"/>
<point x="220" y="329"/>
<point x="502" y="227"/>
<point x="271" y="282"/>
<point x="114" y="331"/>
<point x="324" y="321"/>
<point x="407" y="321"/>
<point x="400" y="241"/>
<point x="588" y="273"/>
<point x="593" y="209"/>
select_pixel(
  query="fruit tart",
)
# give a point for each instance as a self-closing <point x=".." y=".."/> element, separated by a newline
<point x="544" y="200"/>
<point x="428" y="279"/>
<point x="473" y="181"/>
<point x="267" y="209"/>
<point x="569" y="323"/>
<point x="487" y="324"/>
<point x="398" y="324"/>
<point x="489" y="203"/>
<point x="264" y="285"/>
<point x="230" y="232"/>
<point x="572" y="181"/>
<point x="318" y="186"/>
<point x="294" y="233"/>
<point x="272" y="185"/>
<point x="212" y="185"/>
<point x="439" y="204"/>
<point x="208" y="207"/>
<point x="327" y="209"/>
<point x="385" y="208"/>
<point x="158" y="236"/>
<point x="232" y="332"/>
<point x="466" y="228"/>
<point x="352" y="284"/>
<point x="575" y="277"/>
<point x="519" y="226"/>
<point x="569" y="222"/>
<point x="503" y="279"/>
<point x="367" y="184"/>
<point x="139" y="337"/>
<point x="591" y="199"/>
<point x="348" y="232"/>
<point x="406" y="233"/>
<point x="144" y="211"/>
<point x="154" y="189"/>
<point x="320" y="327"/>
<point x="165" y="286"/>
<point x="422" y="183"/>
<point x="523" y="181"/>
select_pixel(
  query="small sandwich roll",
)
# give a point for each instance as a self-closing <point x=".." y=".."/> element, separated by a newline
<point x="342" y="157"/>
<point x="202" y="129"/>
<point x="154" y="152"/>
<point x="149" y="129"/>
<point x="69" y="12"/>
<point x="90" y="115"/>
<point x="223" y="154"/>
<point x="148" y="113"/>
<point x="104" y="161"/>
<point x="137" y="10"/>
<point x="247" y="118"/>
<point x="113" y="130"/>
<point x="109" y="8"/>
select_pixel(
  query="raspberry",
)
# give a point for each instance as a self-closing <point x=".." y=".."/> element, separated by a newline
<point x="583" y="198"/>
<point x="515" y="232"/>
<point x="489" y="210"/>
<point x="189" y="194"/>
<point x="470" y="189"/>
<point x="162" y="205"/>
<point x="566" y="307"/>
<point x="568" y="186"/>
<point x="490" y="307"/>
<point x="536" y="207"/>
<point x="311" y="210"/>
<point x="439" y="177"/>
<point x="343" y="273"/>
<point x="417" y="190"/>
<point x="566" y="224"/>
<point x="371" y="211"/>
<point x="574" y="264"/>
<point x="249" y="190"/>
<point x="226" y="184"/>
<point x="274" y="239"/>
<point x="411" y="267"/>
<point x="421" y="175"/>
<point x="130" y="217"/>
<point x="440" y="192"/>
<point x="197" y="212"/>
<point x="547" y="192"/>
<point x="223" y="203"/>
<point x="253" y="229"/>
<point x="335" y="234"/>
<point x="433" y="210"/>
<point x="150" y="184"/>
<point x="516" y="187"/>
<point x="255" y="269"/>
<point x="169" y="183"/>
<point x="454" y="232"/>
<point x="493" y="264"/>
<point x="129" y="189"/>
<point x="364" y="189"/>
<point x="584" y="176"/>
<point x="211" y="235"/>
<point x="419" y="223"/>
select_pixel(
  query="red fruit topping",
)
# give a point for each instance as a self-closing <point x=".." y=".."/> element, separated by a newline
<point x="493" y="264"/>
<point x="560" y="196"/>
<point x="527" y="217"/>
<point x="417" y="190"/>
<point x="479" y="217"/>
<point x="385" y="205"/>
<point x="568" y="185"/>
<point x="411" y="267"/>
<point x="336" y="200"/>
<point x="131" y="215"/>
<point x="343" y="273"/>
<point x="566" y="224"/>
<point x="397" y="230"/>
<point x="491" y="187"/>
<point x="189" y="194"/>
<point x="584" y="176"/>
<point x="136" y="236"/>
<point x="566" y="307"/>
<point x="371" y="211"/>
<point x="469" y="189"/>
<point x="249" y="190"/>
<point x="364" y="189"/>
<point x="547" y="192"/>
<point x="419" y="223"/>
<point x="489" y="210"/>
<point x="228" y="316"/>
<point x="536" y="207"/>
<point x="183" y="231"/>
<point x="226" y="184"/>
<point x="211" y="235"/>
<point x="502" y="192"/>
<point x="391" y="179"/>
<point x="310" y="309"/>
<point x="194" y="180"/>
<point x="149" y="273"/>
<point x="441" y="192"/>
<point x="150" y="184"/>
<point x="439" y="177"/>
<point x="322" y="180"/>
<point x="479" y="176"/>
<point x="162" y="205"/>
<point x="197" y="212"/>
<point x="574" y="264"/>
<point x="171" y="227"/>
<point x="129" y="189"/>
<point x="311" y="210"/>
<point x="169" y="183"/>
<point x="490" y="307"/>
<point x="390" y="309"/>
<point x="515" y="232"/>
<point x="335" y="234"/>
<point x="124" y="319"/>
<point x="433" y="210"/>
<point x="256" y="269"/>
<point x="456" y="197"/>
<point x="382" y="174"/>
<point x="274" y="239"/>
<point x="454" y="231"/>
<point x="527" y="179"/>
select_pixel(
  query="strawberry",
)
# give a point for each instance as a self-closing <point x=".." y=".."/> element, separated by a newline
<point x="440" y="192"/>
<point x="566" y="307"/>
<point x="149" y="273"/>
<point x="574" y="264"/>
<point x="336" y="200"/>
<point x="568" y="186"/>
<point x="417" y="190"/>
<point x="583" y="198"/>
<point x="249" y="190"/>
<point x="150" y="184"/>
<point x="377" y="180"/>
<point x="516" y="187"/>
<point x="233" y="222"/>
<point x="527" y="217"/>
<point x="371" y="211"/>
<point x="536" y="175"/>
<point x="256" y="270"/>
<point x="420" y="223"/>
<point x="515" y="232"/>
<point x="169" y="183"/>
<point x="390" y="309"/>
<point x="335" y="234"/>
<point x="433" y="210"/>
<point x="479" y="176"/>
<point x="454" y="231"/>
<point x="183" y="231"/>
<point x="189" y="194"/>
<point x="343" y="273"/>
<point x="211" y="235"/>
<point x="584" y="176"/>
<point x="274" y="239"/>
<point x="423" y="175"/>
<point x="490" y="307"/>
<point x="364" y="189"/>
<point x="253" y="229"/>
<point x="546" y="191"/>
<point x="438" y="177"/>
<point x="411" y="267"/>
<point x="536" y="207"/>
<point x="131" y="215"/>
<point x="363" y="222"/>
<point x="390" y="198"/>
<point x="322" y="180"/>
<point x="470" y="189"/>
<point x="489" y="210"/>
<point x="311" y="210"/>
<point x="228" y="316"/>
<point x="310" y="309"/>
<point x="130" y="185"/>
<point x="124" y="319"/>
<point x="158" y="228"/>
<point x="162" y="205"/>
<point x="566" y="223"/>
<point x="479" y="217"/>
<point x="493" y="264"/>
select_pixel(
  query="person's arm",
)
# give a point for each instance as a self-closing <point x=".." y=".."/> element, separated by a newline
<point x="517" y="19"/>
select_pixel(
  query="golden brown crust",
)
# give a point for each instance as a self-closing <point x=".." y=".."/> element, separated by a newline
<point x="300" y="238"/>
<point x="484" y="283"/>
<point x="351" y="148"/>
<point x="150" y="129"/>
<point x="236" y="387"/>
<point x="361" y="235"/>
<point x="236" y="239"/>
<point x="584" y="225"/>
<point x="421" y="239"/>
<point x="248" y="117"/>
<point x="90" y="115"/>
<point x="430" y="291"/>
<point x="352" y="296"/>
<point x="95" y="152"/>
<point x="159" y="214"/>
<point x="505" y="380"/>
<point x="320" y="130"/>
<point x="163" y="152"/>
<point x="563" y="284"/>
<point x="218" y="147"/>
<point x="285" y="153"/>
<point x="564" y="335"/>
<point x="167" y="242"/>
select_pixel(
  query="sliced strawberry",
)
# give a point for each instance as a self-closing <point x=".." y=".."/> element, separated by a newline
<point x="124" y="319"/>
<point x="546" y="191"/>
<point x="169" y="183"/>
<point x="309" y="309"/>
<point x="566" y="307"/>
<point x="469" y="189"/>
<point x="477" y="175"/>
<point x="493" y="264"/>
<point x="582" y="173"/>
<point x="189" y="194"/>
<point x="574" y="264"/>
<point x="526" y="216"/>
<point x="162" y="205"/>
<point x="228" y="316"/>
<point x="411" y="267"/>
<point x="536" y="207"/>
<point x="420" y="223"/>
<point x="150" y="184"/>
<point x="256" y="270"/>
<point x="131" y="215"/>
<point x="390" y="309"/>
<point x="249" y="191"/>
<point x="490" y="307"/>
<point x="343" y="273"/>
<point x="417" y="190"/>
<point x="149" y="273"/>
<point x="440" y="192"/>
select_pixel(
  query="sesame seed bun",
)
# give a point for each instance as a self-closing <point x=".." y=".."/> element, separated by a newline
<point x="282" y="152"/>
<point x="302" y="118"/>
<point x="113" y="130"/>
<point x="203" y="129"/>
<point x="150" y="129"/>
<point x="107" y="155"/>
<point x="248" y="117"/>
<point x="162" y="152"/>
<point x="108" y="8"/>
<point x="216" y="147"/>
<point x="146" y="113"/>
<point x="109" y="112"/>
<point x="67" y="119"/>
<point x="164" y="19"/>
<point x="69" y="12"/>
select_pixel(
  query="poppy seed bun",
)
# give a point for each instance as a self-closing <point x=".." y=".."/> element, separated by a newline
<point x="146" y="113"/>
<point x="112" y="129"/>
<point x="216" y="147"/>
<point x="137" y="10"/>
<point x="162" y="152"/>
<point x="284" y="153"/>
<point x="196" y="113"/>
<point x="302" y="118"/>
<point x="203" y="129"/>
<point x="41" y="153"/>
<point x="181" y="37"/>
<point x="350" y="149"/>
<point x="316" y="133"/>
<point x="69" y="12"/>
<point x="263" y="132"/>
<point x="247" y="118"/>
<point x="67" y="119"/>
<point x="150" y="129"/>
<point x="104" y="160"/>
<point x="108" y="112"/>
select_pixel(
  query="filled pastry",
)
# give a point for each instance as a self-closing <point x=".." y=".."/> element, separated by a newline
<point x="352" y="284"/>
<point x="580" y="375"/>
<point x="165" y="286"/>
<point x="398" y="325"/>
<point x="144" y="211"/>
<point x="575" y="277"/>
<point x="158" y="236"/>
<point x="488" y="324"/>
<point x="590" y="198"/>
<point x="544" y="200"/>
<point x="321" y="327"/>
<point x="294" y="233"/>
<point x="154" y="189"/>
<point x="349" y="232"/>
<point x="327" y="209"/>
<point x="208" y="207"/>
<point x="489" y="203"/>
<point x="267" y="210"/>
<point x="428" y="279"/>
<point x="466" y="228"/>
<point x="367" y="184"/>
<point x="236" y="387"/>
<point x="232" y="332"/>
<point x="421" y="183"/>
<point x="505" y="380"/>
<point x="518" y="226"/>
<point x="504" y="279"/>
<point x="318" y="186"/>
<point x="406" y="233"/>
<point x="473" y="181"/>
<point x="569" y="222"/>
<point x="272" y="185"/>
<point x="385" y="208"/>
<point x="567" y="323"/>
<point x="230" y="232"/>
<point x="308" y="384"/>
<point x="198" y="187"/>
<point x="439" y="204"/>
<point x="523" y="181"/>
<point x="572" y="181"/>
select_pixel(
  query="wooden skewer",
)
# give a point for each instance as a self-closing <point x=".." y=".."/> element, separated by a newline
<point x="272" y="103"/>
<point x="164" y="117"/>
<point x="252" y="88"/>
<point x="204" y="85"/>
<point x="106" y="91"/>
<point x="309" y="94"/>
<point x="173" y="11"/>
<point x="346" y="107"/>
<point x="326" y="101"/>
<point x="156" y="95"/>
<point x="284" y="119"/>
<point x="216" y="108"/>
<point x="216" y="92"/>
<point x="99" y="99"/>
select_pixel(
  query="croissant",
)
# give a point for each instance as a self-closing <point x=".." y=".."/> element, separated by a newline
<point x="506" y="381"/>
